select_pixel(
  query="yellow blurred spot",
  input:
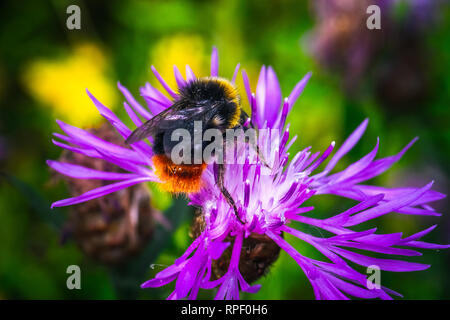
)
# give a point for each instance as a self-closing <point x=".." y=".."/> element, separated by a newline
<point x="61" y="84"/>
<point x="179" y="50"/>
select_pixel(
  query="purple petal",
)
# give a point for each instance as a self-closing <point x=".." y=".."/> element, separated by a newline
<point x="248" y="89"/>
<point x="381" y="165"/>
<point x="347" y="145"/>
<point x="392" y="193"/>
<point x="352" y="289"/>
<point x="418" y="235"/>
<point x="383" y="264"/>
<point x="101" y="191"/>
<point x="87" y="152"/>
<point x="236" y="70"/>
<point x="87" y="140"/>
<point x="156" y="101"/>
<point x="154" y="283"/>
<point x="418" y="211"/>
<point x="387" y="240"/>
<point x="351" y="235"/>
<point x="171" y="270"/>
<point x="214" y="63"/>
<point x="245" y="286"/>
<point x="387" y="207"/>
<point x="123" y="162"/>
<point x="298" y="89"/>
<point x="132" y="115"/>
<point x="356" y="167"/>
<point x="341" y="218"/>
<point x="136" y="106"/>
<point x="142" y="149"/>
<point x="190" y="75"/>
<point x="378" y="248"/>
<point x="104" y="111"/>
<point x="79" y="172"/>
<point x="178" y="77"/>
<point x="268" y="96"/>
<point x="163" y="83"/>
<point x="273" y="97"/>
<point x="321" y="159"/>
<point x="426" y="245"/>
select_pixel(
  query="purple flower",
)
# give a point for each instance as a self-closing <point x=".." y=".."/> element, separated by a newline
<point x="268" y="199"/>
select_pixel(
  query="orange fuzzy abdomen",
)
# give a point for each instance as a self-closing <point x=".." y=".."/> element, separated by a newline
<point x="178" y="178"/>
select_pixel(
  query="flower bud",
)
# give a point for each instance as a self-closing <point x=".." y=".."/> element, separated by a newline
<point x="117" y="226"/>
<point x="258" y="253"/>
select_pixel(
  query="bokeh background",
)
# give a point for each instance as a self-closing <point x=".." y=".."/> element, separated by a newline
<point x="396" y="76"/>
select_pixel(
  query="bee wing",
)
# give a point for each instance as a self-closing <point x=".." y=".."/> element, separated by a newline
<point x="148" y="128"/>
<point x="172" y="117"/>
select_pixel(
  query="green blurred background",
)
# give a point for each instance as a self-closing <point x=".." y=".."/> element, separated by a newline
<point x="45" y="68"/>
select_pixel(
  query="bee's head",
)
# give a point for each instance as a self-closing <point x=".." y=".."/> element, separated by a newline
<point x="214" y="92"/>
<point x="210" y="90"/>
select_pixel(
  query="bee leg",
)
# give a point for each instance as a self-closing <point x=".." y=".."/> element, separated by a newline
<point x="260" y="155"/>
<point x="244" y="119"/>
<point x="224" y="191"/>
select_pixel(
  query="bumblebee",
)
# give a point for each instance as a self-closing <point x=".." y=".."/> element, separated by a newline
<point x="213" y="101"/>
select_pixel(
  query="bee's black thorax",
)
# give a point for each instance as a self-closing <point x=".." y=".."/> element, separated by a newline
<point x="207" y="91"/>
<point x="219" y="100"/>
